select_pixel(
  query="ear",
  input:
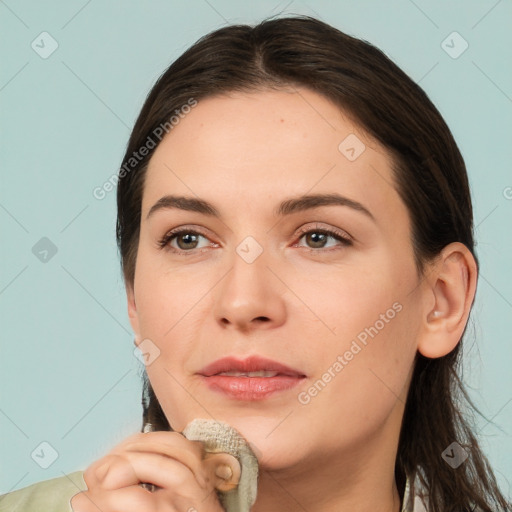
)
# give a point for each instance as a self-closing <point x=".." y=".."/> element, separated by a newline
<point x="132" y="312"/>
<point x="450" y="291"/>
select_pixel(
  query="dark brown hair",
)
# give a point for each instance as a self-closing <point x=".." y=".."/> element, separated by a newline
<point x="430" y="176"/>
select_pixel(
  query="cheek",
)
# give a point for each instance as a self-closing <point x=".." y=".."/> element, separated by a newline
<point x="167" y="304"/>
<point x="351" y="301"/>
<point x="166" y="299"/>
<point x="360" y="386"/>
<point x="363" y="368"/>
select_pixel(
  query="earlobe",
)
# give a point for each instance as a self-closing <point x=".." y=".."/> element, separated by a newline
<point x="132" y="312"/>
<point x="452" y="286"/>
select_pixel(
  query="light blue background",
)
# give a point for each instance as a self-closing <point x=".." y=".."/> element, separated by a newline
<point x="67" y="369"/>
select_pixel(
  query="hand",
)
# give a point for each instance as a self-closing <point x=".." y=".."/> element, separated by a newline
<point x="184" y="475"/>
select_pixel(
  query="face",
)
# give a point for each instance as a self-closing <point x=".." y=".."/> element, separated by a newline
<point x="329" y="290"/>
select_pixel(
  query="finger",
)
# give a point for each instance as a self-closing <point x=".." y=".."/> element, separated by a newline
<point x="172" y="444"/>
<point x="133" y="468"/>
<point x="128" y="499"/>
<point x="221" y="468"/>
<point x="134" y="499"/>
<point x="189" y="453"/>
<point x="165" y="437"/>
<point x="97" y="471"/>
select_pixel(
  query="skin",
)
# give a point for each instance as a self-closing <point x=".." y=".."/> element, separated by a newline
<point x="300" y="302"/>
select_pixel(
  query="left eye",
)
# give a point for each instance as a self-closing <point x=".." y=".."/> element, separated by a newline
<point x="320" y="236"/>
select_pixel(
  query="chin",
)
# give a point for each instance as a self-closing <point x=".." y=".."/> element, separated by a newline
<point x="275" y="446"/>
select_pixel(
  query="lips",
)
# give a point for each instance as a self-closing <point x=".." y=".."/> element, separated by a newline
<point x="251" y="379"/>
<point x="251" y="364"/>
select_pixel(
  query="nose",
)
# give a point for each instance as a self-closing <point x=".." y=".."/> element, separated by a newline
<point x="250" y="296"/>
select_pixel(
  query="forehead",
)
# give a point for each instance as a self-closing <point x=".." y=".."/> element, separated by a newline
<point x="270" y="144"/>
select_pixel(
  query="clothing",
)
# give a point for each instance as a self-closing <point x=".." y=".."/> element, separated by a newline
<point x="54" y="496"/>
<point x="47" y="496"/>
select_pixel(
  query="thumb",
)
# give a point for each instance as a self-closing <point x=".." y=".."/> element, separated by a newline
<point x="225" y="470"/>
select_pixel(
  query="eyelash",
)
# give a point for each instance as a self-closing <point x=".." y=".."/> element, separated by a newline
<point x="345" y="239"/>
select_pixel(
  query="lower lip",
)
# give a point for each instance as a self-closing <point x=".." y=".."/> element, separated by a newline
<point x="250" y="388"/>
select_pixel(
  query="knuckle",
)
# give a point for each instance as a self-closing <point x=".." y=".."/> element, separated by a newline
<point x="97" y="472"/>
<point x="88" y="476"/>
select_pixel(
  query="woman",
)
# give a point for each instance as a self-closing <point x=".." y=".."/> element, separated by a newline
<point x="292" y="204"/>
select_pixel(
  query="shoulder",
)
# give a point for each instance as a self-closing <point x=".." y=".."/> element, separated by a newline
<point x="54" y="495"/>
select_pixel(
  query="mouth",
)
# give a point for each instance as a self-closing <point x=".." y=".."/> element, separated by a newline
<point x="254" y="378"/>
<point x="260" y="373"/>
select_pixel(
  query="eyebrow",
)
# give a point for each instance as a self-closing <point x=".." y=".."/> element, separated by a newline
<point x="287" y="207"/>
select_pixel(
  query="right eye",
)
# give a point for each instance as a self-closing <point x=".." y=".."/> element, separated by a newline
<point x="186" y="239"/>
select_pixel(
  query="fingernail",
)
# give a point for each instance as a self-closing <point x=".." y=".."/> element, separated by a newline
<point x="224" y="471"/>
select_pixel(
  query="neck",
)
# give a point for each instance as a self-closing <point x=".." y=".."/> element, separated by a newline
<point x="360" y="479"/>
<point x="278" y="492"/>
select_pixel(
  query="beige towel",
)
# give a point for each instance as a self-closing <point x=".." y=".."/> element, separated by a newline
<point x="217" y="437"/>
